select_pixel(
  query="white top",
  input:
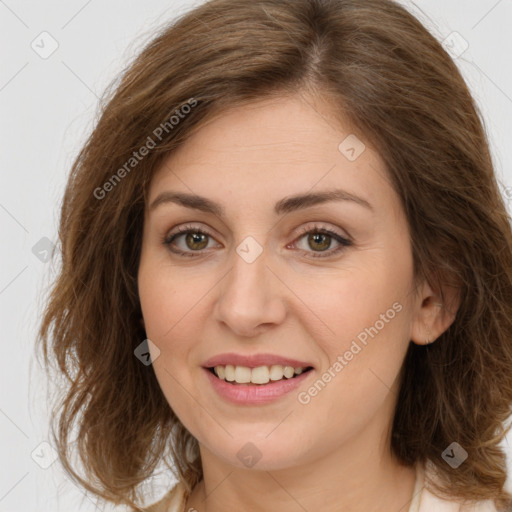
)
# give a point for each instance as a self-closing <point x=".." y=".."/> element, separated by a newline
<point x="423" y="500"/>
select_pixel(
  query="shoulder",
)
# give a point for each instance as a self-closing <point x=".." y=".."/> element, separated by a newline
<point x="427" y="501"/>
<point x="433" y="503"/>
<point x="173" y="501"/>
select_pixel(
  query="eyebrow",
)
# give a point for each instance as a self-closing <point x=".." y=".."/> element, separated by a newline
<point x="285" y="205"/>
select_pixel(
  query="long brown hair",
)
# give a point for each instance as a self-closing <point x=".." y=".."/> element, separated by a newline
<point x="387" y="75"/>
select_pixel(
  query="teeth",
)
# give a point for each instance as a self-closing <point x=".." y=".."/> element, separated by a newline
<point x="276" y="372"/>
<point x="258" y="375"/>
<point x="288" y="371"/>
<point x="229" y="371"/>
<point x="221" y="372"/>
<point x="242" y="374"/>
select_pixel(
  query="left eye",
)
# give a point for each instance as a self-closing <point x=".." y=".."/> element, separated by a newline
<point x="321" y="239"/>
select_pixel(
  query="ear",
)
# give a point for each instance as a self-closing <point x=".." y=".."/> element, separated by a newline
<point x="434" y="312"/>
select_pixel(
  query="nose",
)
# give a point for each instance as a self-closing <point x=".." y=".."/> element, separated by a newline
<point x="250" y="297"/>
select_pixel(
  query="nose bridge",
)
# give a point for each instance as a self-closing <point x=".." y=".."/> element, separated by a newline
<point x="249" y="295"/>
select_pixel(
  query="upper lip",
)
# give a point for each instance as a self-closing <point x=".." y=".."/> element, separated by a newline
<point x="254" y="360"/>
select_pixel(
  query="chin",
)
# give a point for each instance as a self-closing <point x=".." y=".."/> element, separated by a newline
<point x="258" y="453"/>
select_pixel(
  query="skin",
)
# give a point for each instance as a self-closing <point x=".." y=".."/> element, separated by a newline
<point x="334" y="450"/>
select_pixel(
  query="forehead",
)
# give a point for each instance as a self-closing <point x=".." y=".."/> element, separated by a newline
<point x="291" y="127"/>
<point x="272" y="148"/>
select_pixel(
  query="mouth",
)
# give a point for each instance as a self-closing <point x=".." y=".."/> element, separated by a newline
<point x="260" y="375"/>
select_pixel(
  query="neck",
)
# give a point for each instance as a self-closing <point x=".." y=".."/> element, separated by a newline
<point x="357" y="476"/>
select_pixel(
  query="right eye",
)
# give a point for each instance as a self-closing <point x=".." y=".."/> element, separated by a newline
<point x="195" y="240"/>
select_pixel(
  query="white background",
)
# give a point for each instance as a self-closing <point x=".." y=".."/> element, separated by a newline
<point x="48" y="106"/>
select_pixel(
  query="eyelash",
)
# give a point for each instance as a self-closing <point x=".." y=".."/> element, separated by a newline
<point x="344" y="242"/>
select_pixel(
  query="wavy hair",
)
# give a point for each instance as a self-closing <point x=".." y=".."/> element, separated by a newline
<point x="381" y="70"/>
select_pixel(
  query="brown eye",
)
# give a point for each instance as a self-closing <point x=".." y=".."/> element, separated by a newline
<point x="196" y="241"/>
<point x="320" y="241"/>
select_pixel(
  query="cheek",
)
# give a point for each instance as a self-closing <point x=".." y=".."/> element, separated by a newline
<point x="362" y="324"/>
<point x="162" y="307"/>
<point x="354" y="304"/>
<point x="356" y="386"/>
<point x="169" y="298"/>
<point x="173" y="316"/>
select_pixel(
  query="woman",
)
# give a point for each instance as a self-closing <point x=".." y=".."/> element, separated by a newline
<point x="287" y="271"/>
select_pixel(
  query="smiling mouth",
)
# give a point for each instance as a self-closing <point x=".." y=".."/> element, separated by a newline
<point x="261" y="375"/>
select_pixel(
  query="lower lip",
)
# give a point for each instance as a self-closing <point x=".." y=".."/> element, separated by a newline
<point x="245" y="394"/>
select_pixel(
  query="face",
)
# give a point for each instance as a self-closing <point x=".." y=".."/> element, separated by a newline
<point x="250" y="271"/>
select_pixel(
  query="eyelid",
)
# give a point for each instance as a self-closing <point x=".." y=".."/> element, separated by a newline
<point x="181" y="230"/>
<point x="318" y="226"/>
<point x="344" y="241"/>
